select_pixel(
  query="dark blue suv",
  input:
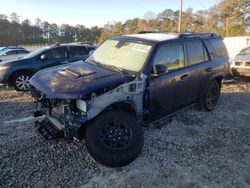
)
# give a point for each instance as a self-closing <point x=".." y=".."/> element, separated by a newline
<point x="129" y="81"/>
<point x="17" y="73"/>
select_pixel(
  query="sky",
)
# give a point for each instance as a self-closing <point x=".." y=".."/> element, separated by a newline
<point x="92" y="12"/>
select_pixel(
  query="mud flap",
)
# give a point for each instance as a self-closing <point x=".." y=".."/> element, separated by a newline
<point x="48" y="131"/>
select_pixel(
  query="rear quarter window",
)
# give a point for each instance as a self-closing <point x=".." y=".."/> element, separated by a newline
<point x="219" y="47"/>
<point x="78" y="51"/>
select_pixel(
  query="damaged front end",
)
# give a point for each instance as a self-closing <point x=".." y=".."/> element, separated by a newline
<point x="60" y="118"/>
<point x="65" y="117"/>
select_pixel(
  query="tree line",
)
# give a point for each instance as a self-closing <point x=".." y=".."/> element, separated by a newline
<point x="227" y="18"/>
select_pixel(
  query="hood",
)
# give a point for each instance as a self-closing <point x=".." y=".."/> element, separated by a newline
<point x="76" y="80"/>
<point x="242" y="58"/>
<point x="12" y="62"/>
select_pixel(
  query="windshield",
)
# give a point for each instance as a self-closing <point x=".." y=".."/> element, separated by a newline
<point x="245" y="51"/>
<point x="34" y="53"/>
<point x="121" y="54"/>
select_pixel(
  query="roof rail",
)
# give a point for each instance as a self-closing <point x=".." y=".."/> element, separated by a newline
<point x="184" y="35"/>
<point x="56" y="44"/>
<point x="144" y="32"/>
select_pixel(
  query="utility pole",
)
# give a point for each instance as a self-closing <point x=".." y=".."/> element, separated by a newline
<point x="180" y="15"/>
<point x="227" y="26"/>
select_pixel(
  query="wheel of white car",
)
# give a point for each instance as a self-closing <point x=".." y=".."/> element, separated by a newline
<point x="20" y="81"/>
<point x="114" y="139"/>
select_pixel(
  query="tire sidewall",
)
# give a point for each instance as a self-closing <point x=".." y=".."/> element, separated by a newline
<point x="14" y="78"/>
<point x="213" y="83"/>
<point x="105" y="155"/>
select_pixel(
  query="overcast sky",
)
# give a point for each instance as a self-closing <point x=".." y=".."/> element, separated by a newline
<point x="92" y="12"/>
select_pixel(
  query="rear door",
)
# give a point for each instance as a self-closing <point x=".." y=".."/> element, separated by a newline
<point x="78" y="53"/>
<point x="200" y="65"/>
<point x="168" y="91"/>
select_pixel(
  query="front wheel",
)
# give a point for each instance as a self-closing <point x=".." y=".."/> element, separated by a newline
<point x="20" y="81"/>
<point x="114" y="139"/>
<point x="209" y="101"/>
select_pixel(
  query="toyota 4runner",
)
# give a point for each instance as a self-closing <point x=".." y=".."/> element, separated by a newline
<point x="128" y="82"/>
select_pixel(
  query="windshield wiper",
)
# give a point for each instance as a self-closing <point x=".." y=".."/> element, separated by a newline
<point x="118" y="69"/>
<point x="112" y="67"/>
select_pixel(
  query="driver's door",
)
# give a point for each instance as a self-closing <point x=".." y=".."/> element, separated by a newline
<point x="168" y="91"/>
<point x="54" y="57"/>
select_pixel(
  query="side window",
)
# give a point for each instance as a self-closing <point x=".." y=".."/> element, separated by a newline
<point x="11" y="52"/>
<point x="56" y="53"/>
<point x="196" y="52"/>
<point x="219" y="47"/>
<point x="22" y="51"/>
<point x="78" y="51"/>
<point x="171" y="55"/>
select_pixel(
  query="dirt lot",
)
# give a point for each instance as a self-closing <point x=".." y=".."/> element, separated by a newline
<point x="194" y="149"/>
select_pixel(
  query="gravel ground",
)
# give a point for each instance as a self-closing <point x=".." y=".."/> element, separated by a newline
<point x="194" y="149"/>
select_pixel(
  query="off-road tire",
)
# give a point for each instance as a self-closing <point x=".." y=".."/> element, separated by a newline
<point x="103" y="153"/>
<point x="206" y="103"/>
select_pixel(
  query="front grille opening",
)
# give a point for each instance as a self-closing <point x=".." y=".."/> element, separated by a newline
<point x="238" y="63"/>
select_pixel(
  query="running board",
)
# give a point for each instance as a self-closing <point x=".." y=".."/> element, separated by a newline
<point x="165" y="118"/>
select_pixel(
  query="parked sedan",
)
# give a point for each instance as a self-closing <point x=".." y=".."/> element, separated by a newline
<point x="13" y="54"/>
<point x="4" y="49"/>
<point x="241" y="63"/>
<point x="17" y="73"/>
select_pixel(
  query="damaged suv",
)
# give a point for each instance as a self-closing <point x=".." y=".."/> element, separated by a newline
<point x="128" y="82"/>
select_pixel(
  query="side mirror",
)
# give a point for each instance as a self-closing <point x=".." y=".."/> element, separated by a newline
<point x="43" y="57"/>
<point x="91" y="52"/>
<point x="159" y="69"/>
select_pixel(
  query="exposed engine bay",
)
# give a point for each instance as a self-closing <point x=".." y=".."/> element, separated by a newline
<point x="68" y="115"/>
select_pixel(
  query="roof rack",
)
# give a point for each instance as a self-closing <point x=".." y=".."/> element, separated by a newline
<point x="186" y="35"/>
<point x="144" y="32"/>
<point x="183" y="35"/>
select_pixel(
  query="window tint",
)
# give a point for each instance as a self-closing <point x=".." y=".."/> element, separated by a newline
<point x="78" y="51"/>
<point x="196" y="52"/>
<point x="90" y="48"/>
<point x="21" y="51"/>
<point x="219" y="47"/>
<point x="11" y="52"/>
<point x="56" y="53"/>
<point x="171" y="55"/>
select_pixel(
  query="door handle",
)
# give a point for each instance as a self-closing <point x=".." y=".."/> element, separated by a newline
<point x="64" y="62"/>
<point x="209" y="69"/>
<point x="184" y="77"/>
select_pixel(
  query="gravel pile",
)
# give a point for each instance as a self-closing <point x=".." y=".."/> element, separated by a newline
<point x="193" y="149"/>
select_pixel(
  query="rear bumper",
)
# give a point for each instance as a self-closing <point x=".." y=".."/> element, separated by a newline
<point x="241" y="71"/>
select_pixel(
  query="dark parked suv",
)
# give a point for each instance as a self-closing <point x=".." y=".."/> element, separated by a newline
<point x="17" y="73"/>
<point x="129" y="81"/>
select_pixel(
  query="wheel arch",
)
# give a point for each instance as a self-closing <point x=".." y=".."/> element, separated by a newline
<point x="125" y="106"/>
<point x="19" y="71"/>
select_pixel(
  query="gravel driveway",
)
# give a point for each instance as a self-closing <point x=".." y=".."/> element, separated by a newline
<point x="193" y="149"/>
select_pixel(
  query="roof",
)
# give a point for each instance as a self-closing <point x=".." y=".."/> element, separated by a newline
<point x="156" y="36"/>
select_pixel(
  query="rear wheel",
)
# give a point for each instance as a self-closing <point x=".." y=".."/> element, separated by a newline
<point x="20" y="81"/>
<point x="114" y="139"/>
<point x="209" y="101"/>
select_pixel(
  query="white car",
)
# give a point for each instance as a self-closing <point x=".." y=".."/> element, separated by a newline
<point x="13" y="54"/>
<point x="241" y="63"/>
